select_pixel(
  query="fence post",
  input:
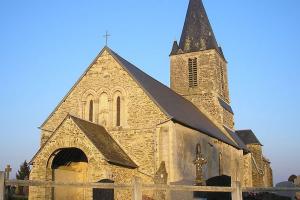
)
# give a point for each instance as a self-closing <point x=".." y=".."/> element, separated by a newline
<point x="237" y="191"/>
<point x="137" y="189"/>
<point x="2" y="186"/>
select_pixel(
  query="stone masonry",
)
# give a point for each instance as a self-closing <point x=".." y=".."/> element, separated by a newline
<point x="212" y="83"/>
<point x="140" y="123"/>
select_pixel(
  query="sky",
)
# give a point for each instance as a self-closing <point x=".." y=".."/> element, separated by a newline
<point x="46" y="45"/>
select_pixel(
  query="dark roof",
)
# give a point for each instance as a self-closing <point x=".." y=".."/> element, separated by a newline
<point x="197" y="33"/>
<point x="102" y="140"/>
<point x="248" y="137"/>
<point x="104" y="143"/>
<point x="237" y="140"/>
<point x="225" y="105"/>
<point x="175" y="48"/>
<point x="172" y="104"/>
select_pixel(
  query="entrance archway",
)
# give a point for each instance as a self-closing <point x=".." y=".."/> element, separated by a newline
<point x="103" y="194"/>
<point x="69" y="165"/>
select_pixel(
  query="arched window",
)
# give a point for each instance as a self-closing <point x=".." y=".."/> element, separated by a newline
<point x="91" y="110"/>
<point x="193" y="73"/>
<point x="118" y="112"/>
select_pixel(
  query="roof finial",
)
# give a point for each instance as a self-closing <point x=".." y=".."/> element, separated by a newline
<point x="106" y="37"/>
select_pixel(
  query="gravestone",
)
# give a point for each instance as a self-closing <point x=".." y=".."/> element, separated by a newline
<point x="103" y="194"/>
<point x="7" y="172"/>
<point x="224" y="181"/>
<point x="161" y="178"/>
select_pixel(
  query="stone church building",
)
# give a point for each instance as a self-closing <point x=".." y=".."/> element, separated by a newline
<point x="117" y="123"/>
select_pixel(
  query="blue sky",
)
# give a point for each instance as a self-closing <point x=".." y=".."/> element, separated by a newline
<point x="46" y="45"/>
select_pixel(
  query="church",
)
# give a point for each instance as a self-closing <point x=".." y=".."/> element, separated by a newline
<point x="117" y="123"/>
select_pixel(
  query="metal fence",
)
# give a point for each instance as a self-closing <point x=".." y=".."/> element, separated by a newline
<point x="138" y="187"/>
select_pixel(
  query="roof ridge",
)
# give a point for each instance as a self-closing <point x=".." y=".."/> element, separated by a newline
<point x="83" y="129"/>
<point x="134" y="71"/>
<point x="76" y="83"/>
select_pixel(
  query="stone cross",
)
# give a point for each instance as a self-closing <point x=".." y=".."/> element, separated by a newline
<point x="199" y="163"/>
<point x="7" y="172"/>
<point x="106" y="37"/>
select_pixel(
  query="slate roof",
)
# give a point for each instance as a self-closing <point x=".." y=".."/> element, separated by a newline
<point x="197" y="33"/>
<point x="248" y="137"/>
<point x="175" y="48"/>
<point x="102" y="140"/>
<point x="176" y="107"/>
<point x="225" y="105"/>
<point x="237" y="139"/>
<point x="104" y="143"/>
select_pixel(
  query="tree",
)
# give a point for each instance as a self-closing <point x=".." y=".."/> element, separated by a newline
<point x="23" y="172"/>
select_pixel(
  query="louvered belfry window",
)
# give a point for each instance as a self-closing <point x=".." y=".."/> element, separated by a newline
<point x="193" y="74"/>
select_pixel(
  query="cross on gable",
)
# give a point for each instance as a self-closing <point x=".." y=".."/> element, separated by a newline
<point x="106" y="37"/>
<point x="7" y="172"/>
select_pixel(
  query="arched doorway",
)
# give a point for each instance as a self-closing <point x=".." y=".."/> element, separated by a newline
<point x="69" y="165"/>
<point x="103" y="194"/>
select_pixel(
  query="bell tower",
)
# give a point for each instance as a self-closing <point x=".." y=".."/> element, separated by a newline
<point x="199" y="68"/>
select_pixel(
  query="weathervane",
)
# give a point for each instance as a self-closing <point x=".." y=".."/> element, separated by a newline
<point x="106" y="37"/>
<point x="199" y="163"/>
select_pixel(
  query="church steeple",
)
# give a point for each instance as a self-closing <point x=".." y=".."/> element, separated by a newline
<point x="197" y="33"/>
<point x="198" y="67"/>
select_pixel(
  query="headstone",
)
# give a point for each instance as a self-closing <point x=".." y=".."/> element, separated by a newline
<point x="7" y="172"/>
<point x="161" y="176"/>
<point x="103" y="194"/>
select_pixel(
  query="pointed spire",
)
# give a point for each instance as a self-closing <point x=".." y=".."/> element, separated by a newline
<point x="175" y="48"/>
<point x="197" y="34"/>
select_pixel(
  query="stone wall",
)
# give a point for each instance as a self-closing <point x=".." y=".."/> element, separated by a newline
<point x="105" y="75"/>
<point x="257" y="165"/>
<point x="68" y="135"/>
<point x="179" y="152"/>
<point x="247" y="170"/>
<point x="139" y="117"/>
<point x="228" y="119"/>
<point x="212" y="83"/>
<point x="268" y="174"/>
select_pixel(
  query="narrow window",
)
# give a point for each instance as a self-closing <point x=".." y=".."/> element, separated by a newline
<point x="220" y="164"/>
<point x="222" y="79"/>
<point x="91" y="111"/>
<point x="118" y="111"/>
<point x="193" y="74"/>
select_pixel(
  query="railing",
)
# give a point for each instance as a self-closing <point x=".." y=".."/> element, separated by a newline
<point x="138" y="187"/>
